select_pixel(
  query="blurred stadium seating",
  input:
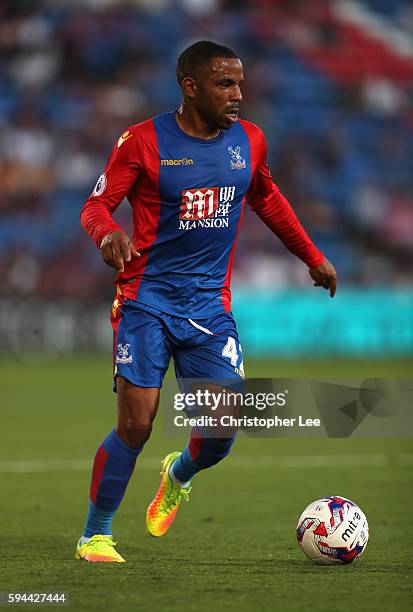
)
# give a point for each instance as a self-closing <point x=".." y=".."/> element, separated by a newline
<point x="330" y="82"/>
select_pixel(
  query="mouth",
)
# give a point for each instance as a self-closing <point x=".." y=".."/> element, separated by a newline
<point x="232" y="115"/>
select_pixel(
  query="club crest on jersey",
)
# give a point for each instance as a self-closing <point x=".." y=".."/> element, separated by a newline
<point x="207" y="207"/>
<point x="237" y="161"/>
<point x="122" y="355"/>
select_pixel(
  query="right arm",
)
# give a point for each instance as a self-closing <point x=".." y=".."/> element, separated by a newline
<point x="120" y="173"/>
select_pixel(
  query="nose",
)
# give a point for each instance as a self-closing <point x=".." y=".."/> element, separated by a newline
<point x="236" y="94"/>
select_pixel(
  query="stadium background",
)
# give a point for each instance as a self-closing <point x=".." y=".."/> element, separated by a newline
<point x="331" y="84"/>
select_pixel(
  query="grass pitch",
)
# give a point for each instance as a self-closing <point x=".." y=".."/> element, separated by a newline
<point x="233" y="546"/>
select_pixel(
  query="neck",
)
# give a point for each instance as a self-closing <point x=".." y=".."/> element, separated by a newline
<point x="192" y="124"/>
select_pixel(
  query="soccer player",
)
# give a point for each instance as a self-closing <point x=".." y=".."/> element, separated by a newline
<point x="188" y="175"/>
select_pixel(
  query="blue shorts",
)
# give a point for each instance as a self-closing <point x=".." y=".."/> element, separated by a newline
<point x="145" y="339"/>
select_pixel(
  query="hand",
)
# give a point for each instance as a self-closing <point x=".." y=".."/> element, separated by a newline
<point x="116" y="248"/>
<point x="325" y="276"/>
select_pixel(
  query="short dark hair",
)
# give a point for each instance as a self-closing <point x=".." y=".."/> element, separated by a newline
<point x="199" y="54"/>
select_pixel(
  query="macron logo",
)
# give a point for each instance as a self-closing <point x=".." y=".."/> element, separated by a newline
<point x="185" y="161"/>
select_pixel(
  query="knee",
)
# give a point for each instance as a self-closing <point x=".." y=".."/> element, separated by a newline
<point x="136" y="411"/>
<point x="135" y="422"/>
<point x="135" y="430"/>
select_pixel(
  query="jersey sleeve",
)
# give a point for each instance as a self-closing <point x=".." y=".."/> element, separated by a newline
<point x="120" y="174"/>
<point x="273" y="208"/>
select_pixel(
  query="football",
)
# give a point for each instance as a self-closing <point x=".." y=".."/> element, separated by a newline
<point x="332" y="531"/>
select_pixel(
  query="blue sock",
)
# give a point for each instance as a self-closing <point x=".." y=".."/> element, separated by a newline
<point x="98" y="521"/>
<point x="201" y="453"/>
<point x="112" y="468"/>
<point x="184" y="468"/>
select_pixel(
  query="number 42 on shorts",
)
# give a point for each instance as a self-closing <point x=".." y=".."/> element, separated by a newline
<point x="234" y="354"/>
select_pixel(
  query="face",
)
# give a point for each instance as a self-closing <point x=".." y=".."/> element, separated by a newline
<point x="215" y="92"/>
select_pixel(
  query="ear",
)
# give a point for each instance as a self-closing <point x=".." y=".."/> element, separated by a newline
<point x="189" y="87"/>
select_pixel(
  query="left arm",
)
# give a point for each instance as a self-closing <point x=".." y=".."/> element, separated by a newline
<point x="273" y="208"/>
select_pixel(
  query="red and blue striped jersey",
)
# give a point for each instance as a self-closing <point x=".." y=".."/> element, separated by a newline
<point x="187" y="196"/>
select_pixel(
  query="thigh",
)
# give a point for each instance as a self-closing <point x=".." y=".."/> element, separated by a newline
<point x="213" y="351"/>
<point x="141" y="349"/>
<point x="136" y="404"/>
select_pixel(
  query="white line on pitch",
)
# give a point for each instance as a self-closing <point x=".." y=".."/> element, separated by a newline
<point x="253" y="462"/>
<point x="58" y="465"/>
<point x="311" y="461"/>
